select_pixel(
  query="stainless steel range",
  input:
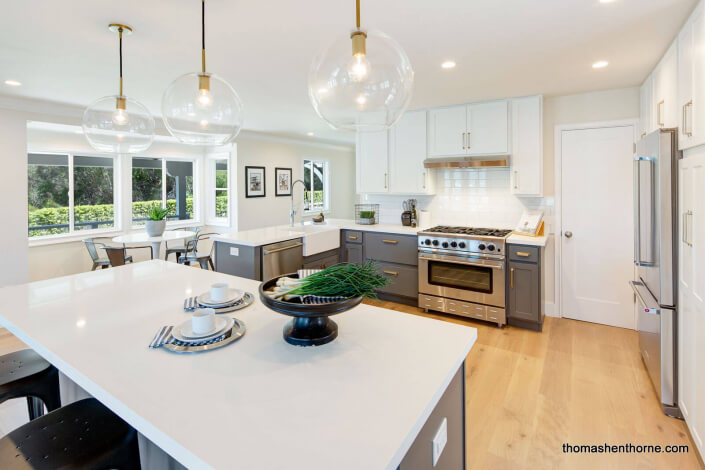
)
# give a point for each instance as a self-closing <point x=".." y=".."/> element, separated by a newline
<point x="462" y="271"/>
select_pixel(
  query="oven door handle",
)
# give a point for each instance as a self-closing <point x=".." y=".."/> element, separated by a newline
<point x="482" y="263"/>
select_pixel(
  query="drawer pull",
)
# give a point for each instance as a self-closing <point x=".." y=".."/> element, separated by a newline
<point x="523" y="253"/>
<point x="393" y="242"/>
<point x="352" y="237"/>
<point x="391" y="273"/>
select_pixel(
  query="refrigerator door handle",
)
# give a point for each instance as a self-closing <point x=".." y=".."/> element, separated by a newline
<point x="637" y="206"/>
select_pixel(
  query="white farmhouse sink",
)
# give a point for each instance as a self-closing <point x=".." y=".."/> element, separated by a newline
<point x="318" y="238"/>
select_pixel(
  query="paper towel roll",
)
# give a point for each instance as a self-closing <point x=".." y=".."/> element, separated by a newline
<point x="424" y="219"/>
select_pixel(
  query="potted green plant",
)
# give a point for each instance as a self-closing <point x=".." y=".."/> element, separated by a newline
<point x="157" y="221"/>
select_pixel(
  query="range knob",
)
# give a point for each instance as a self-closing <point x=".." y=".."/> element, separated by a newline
<point x="427" y="242"/>
<point x="481" y="246"/>
<point x="454" y="244"/>
<point x="490" y="247"/>
<point x="435" y="242"/>
<point x="461" y="245"/>
<point x="444" y="244"/>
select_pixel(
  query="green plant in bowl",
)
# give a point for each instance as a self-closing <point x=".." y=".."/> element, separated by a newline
<point x="157" y="213"/>
<point x="367" y="214"/>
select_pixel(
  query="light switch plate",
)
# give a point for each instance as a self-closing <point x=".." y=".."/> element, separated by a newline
<point x="439" y="441"/>
<point x="234" y="251"/>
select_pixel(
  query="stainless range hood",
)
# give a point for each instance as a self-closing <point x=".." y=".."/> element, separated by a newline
<point x="466" y="162"/>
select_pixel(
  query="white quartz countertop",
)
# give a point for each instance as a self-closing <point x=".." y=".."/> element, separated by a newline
<point x="515" y="239"/>
<point x="280" y="233"/>
<point x="258" y="403"/>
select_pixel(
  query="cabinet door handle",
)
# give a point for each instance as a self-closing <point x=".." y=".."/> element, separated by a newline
<point x="689" y="126"/>
<point x="469" y="146"/>
<point x="511" y="278"/>
<point x="463" y="140"/>
<point x="393" y="242"/>
<point x="424" y="180"/>
<point x="523" y="253"/>
<point x="516" y="179"/>
<point x="385" y="181"/>
<point x="658" y="112"/>
<point x="391" y="273"/>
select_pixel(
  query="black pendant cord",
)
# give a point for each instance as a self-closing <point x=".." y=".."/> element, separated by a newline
<point x="203" y="34"/>
<point x="120" y="35"/>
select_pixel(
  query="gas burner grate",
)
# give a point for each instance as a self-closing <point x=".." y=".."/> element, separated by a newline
<point x="478" y="231"/>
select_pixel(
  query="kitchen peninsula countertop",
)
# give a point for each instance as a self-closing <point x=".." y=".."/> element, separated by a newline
<point x="259" y="403"/>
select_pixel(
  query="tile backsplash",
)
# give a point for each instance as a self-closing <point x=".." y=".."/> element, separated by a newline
<point x="471" y="197"/>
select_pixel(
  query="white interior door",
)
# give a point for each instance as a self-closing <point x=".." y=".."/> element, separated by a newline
<point x="597" y="219"/>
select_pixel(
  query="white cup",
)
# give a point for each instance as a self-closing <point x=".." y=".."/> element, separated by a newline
<point x="203" y="321"/>
<point x="219" y="292"/>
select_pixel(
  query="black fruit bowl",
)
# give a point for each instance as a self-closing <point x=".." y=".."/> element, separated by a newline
<point x="311" y="325"/>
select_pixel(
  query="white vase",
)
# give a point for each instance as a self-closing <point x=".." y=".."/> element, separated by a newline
<point x="155" y="227"/>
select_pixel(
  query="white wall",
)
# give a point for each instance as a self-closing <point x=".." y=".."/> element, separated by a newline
<point x="270" y="152"/>
<point x="481" y="197"/>
<point x="13" y="197"/>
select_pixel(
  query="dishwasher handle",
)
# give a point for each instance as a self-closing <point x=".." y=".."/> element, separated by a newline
<point x="277" y="250"/>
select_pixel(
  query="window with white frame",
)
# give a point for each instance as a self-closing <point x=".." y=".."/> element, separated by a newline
<point x="162" y="182"/>
<point x="218" y="181"/>
<point x="70" y="193"/>
<point x="316" y="192"/>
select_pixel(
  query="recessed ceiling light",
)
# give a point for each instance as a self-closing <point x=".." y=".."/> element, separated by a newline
<point x="606" y="1"/>
<point x="12" y="83"/>
<point x="448" y="64"/>
<point x="600" y="64"/>
<point x="310" y="134"/>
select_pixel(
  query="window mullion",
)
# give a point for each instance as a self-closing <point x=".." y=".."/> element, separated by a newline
<point x="164" y="182"/>
<point x="71" y="213"/>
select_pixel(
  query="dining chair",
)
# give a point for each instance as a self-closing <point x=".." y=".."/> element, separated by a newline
<point x="117" y="255"/>
<point x="26" y="374"/>
<point x="92" y="246"/>
<point x="204" y="258"/>
<point x="181" y="250"/>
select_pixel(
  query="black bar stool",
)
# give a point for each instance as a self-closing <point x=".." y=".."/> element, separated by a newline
<point x="82" y="435"/>
<point x="26" y="374"/>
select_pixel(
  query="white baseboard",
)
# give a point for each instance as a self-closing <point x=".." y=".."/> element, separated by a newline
<point x="549" y="308"/>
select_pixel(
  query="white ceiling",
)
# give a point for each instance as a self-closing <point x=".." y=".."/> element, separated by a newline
<point x="62" y="51"/>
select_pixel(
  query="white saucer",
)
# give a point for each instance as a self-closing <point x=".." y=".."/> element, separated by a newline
<point x="233" y="296"/>
<point x="184" y="332"/>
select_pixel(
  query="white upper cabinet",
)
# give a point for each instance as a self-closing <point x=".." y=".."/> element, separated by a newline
<point x="646" y="123"/>
<point x="407" y="141"/>
<point x="665" y="94"/>
<point x="475" y="129"/>
<point x="527" y="150"/>
<point x="488" y="128"/>
<point x="691" y="88"/>
<point x="372" y="158"/>
<point x="447" y="128"/>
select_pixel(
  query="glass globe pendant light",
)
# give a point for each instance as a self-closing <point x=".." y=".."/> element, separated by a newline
<point x="365" y="88"/>
<point x="118" y="124"/>
<point x="202" y="108"/>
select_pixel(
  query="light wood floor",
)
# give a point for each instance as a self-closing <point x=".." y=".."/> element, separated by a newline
<point x="576" y="382"/>
<point x="528" y="393"/>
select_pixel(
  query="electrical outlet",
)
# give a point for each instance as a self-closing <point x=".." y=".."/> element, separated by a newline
<point x="439" y="441"/>
<point x="234" y="251"/>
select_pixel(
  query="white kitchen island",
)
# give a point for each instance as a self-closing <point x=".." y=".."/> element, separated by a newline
<point x="359" y="402"/>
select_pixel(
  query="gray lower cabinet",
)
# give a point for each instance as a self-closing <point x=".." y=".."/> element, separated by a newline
<point x="239" y="260"/>
<point x="397" y="256"/>
<point x="450" y="408"/>
<point x="525" y="292"/>
<point x="322" y="260"/>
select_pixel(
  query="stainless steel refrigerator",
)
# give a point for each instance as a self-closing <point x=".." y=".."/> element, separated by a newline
<point x="656" y="260"/>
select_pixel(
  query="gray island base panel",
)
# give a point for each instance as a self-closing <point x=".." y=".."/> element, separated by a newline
<point x="239" y="260"/>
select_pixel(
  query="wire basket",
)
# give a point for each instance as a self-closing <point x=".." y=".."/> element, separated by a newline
<point x="366" y="214"/>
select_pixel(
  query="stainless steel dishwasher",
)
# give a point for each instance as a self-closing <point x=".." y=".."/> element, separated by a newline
<point x="282" y="258"/>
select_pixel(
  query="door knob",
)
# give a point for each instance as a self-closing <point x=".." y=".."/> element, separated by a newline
<point x="569" y="234"/>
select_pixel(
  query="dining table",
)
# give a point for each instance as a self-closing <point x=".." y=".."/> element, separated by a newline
<point x="156" y="242"/>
